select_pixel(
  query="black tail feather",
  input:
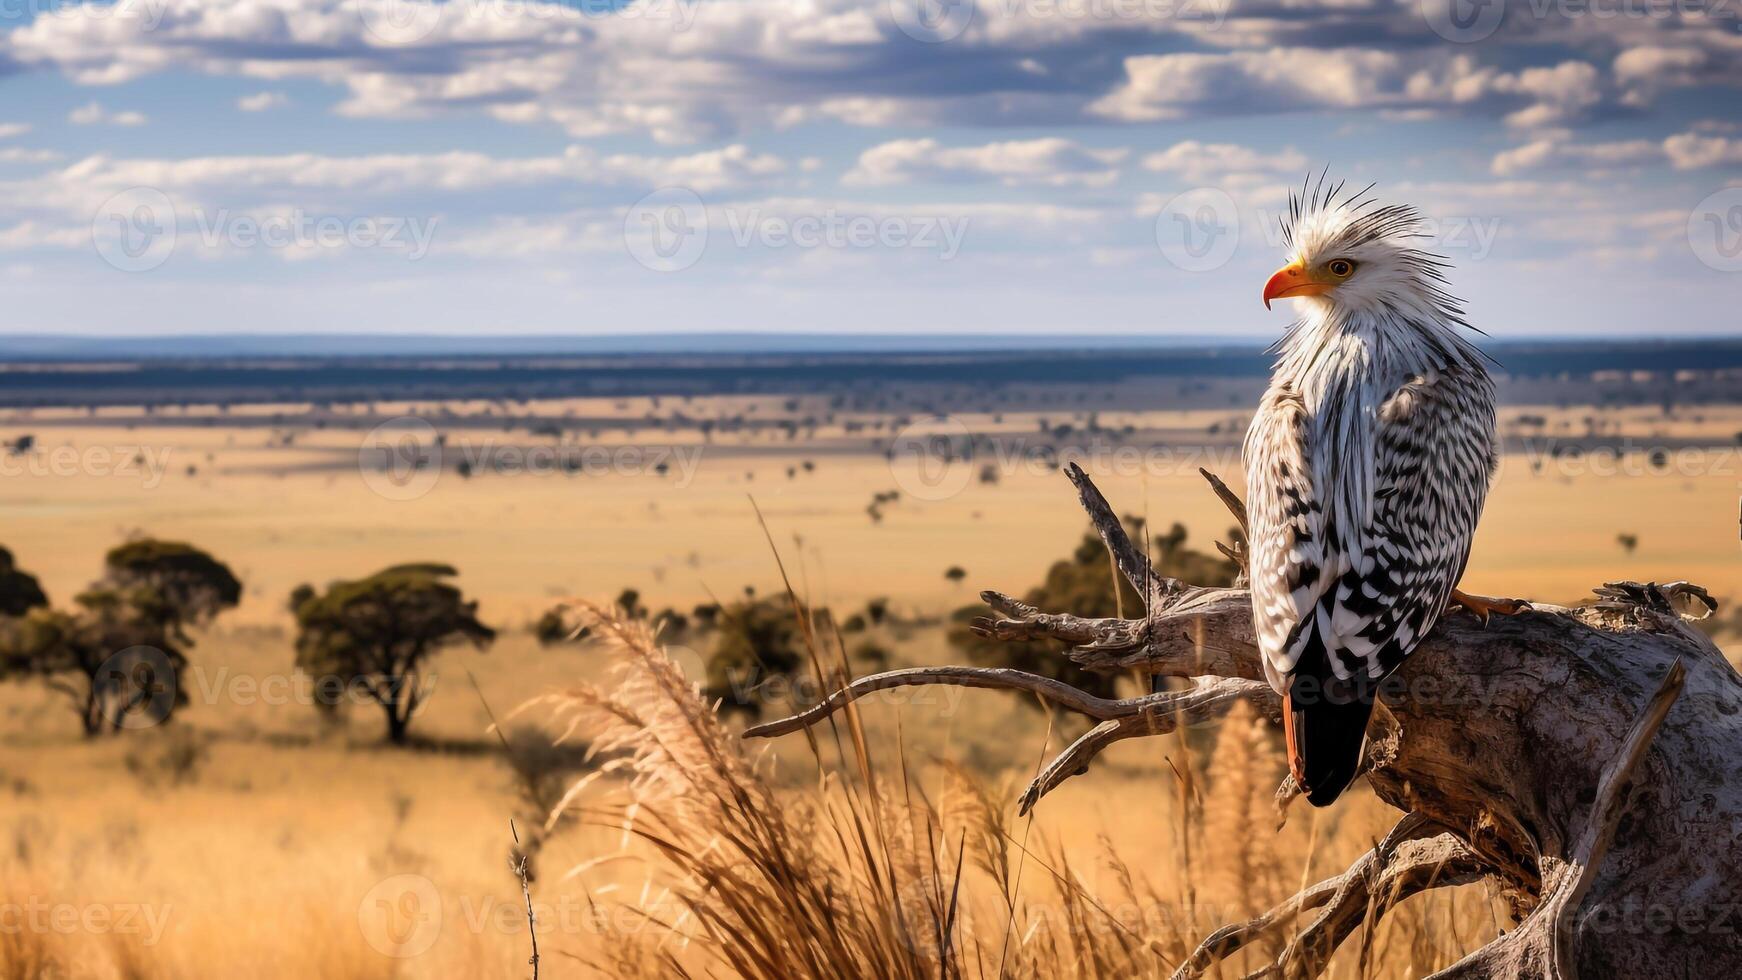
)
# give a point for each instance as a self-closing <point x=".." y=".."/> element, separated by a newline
<point x="1325" y="717"/>
<point x="1325" y="736"/>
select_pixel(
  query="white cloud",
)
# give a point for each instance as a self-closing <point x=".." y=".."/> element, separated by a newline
<point x="1169" y="86"/>
<point x="1218" y="162"/>
<point x="262" y="101"/>
<point x="1561" y="93"/>
<point x="1648" y="69"/>
<point x="691" y="70"/>
<point x="424" y="187"/>
<point x="1554" y="149"/>
<point x="1684" y="151"/>
<point x="93" y="114"/>
<point x="36" y="234"/>
<point x="1176" y="86"/>
<point x="1717" y="126"/>
<point x="733" y="166"/>
<point x="1690" y="151"/>
<point x="1051" y="162"/>
<point x="9" y="130"/>
<point x="19" y="154"/>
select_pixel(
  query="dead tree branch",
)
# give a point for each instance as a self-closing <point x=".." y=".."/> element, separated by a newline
<point x="1580" y="760"/>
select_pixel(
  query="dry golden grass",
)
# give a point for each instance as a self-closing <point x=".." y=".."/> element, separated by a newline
<point x="861" y="873"/>
<point x="277" y="859"/>
<point x="888" y="846"/>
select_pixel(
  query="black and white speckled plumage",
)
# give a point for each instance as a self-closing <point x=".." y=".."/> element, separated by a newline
<point x="1370" y="455"/>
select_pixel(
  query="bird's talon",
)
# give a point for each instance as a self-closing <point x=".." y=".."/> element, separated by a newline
<point x="1484" y="606"/>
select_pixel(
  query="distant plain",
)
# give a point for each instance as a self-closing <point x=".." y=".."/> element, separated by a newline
<point x="267" y="853"/>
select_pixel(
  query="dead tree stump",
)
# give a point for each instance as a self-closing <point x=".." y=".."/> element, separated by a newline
<point x="1587" y="762"/>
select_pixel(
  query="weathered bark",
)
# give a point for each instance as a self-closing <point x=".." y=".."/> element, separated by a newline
<point x="1588" y="762"/>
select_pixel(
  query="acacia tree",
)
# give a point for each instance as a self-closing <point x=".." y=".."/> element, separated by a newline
<point x="377" y="634"/>
<point x="118" y="655"/>
<point x="166" y="585"/>
<point x="19" y="590"/>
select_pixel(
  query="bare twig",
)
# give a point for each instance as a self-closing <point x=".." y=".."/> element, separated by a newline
<point x="1229" y="499"/>
<point x="1379" y="882"/>
<point x="1127" y="556"/>
<point x="985" y="677"/>
<point x="526" y="893"/>
<point x="1415" y="856"/>
<point x="1160" y="713"/>
<point x="1651" y="595"/>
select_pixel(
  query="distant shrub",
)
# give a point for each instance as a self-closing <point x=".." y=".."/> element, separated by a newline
<point x="554" y="627"/>
<point x="672" y="622"/>
<point x="876" y="610"/>
<point x="871" y="656"/>
<point x="758" y="651"/>
<point x="19" y="590"/>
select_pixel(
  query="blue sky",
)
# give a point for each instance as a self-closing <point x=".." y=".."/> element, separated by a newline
<point x="1034" y="166"/>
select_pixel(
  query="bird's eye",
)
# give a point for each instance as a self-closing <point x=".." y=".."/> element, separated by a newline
<point x="1341" y="268"/>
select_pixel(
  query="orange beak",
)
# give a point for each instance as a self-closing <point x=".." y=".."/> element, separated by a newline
<point x="1292" y="281"/>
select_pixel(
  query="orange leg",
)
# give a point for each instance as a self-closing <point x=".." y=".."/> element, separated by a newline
<point x="1485" y="606"/>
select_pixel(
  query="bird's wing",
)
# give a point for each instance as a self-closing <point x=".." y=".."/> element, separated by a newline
<point x="1434" y="456"/>
<point x="1286" y="546"/>
<point x="1363" y="608"/>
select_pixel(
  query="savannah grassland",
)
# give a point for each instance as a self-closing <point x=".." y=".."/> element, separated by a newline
<point x="247" y="838"/>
